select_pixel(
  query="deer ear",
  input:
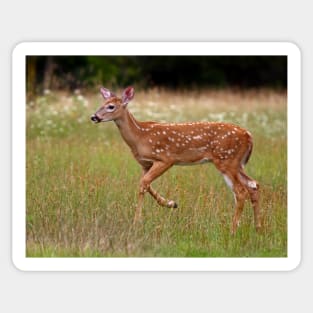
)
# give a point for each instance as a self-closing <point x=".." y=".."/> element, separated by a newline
<point x="106" y="93"/>
<point x="128" y="95"/>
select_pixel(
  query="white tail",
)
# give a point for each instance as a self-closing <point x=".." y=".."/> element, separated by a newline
<point x="159" y="146"/>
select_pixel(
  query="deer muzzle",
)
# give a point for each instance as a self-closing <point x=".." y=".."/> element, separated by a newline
<point x="95" y="118"/>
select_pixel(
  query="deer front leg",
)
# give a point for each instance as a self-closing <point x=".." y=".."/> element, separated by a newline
<point x="161" y="200"/>
<point x="149" y="175"/>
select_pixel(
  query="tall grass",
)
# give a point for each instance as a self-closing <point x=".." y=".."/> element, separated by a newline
<point x="82" y="181"/>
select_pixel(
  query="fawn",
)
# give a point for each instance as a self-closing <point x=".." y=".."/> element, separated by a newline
<point x="159" y="146"/>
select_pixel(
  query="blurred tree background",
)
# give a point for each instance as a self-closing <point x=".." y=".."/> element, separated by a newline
<point x="73" y="72"/>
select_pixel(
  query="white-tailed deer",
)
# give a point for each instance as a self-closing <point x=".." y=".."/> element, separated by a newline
<point x="159" y="146"/>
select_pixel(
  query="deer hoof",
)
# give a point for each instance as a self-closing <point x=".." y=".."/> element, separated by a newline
<point x="172" y="204"/>
<point x="258" y="228"/>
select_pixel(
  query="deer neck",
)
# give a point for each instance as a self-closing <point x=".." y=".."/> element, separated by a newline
<point x="129" y="128"/>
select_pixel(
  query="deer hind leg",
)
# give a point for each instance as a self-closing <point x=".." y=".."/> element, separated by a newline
<point x="240" y="194"/>
<point x="254" y="193"/>
<point x="149" y="175"/>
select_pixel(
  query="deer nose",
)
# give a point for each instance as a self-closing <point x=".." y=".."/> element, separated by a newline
<point x="95" y="118"/>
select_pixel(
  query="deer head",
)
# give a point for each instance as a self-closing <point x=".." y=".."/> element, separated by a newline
<point x="113" y="106"/>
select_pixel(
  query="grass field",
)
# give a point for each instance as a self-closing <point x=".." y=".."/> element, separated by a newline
<point x="82" y="182"/>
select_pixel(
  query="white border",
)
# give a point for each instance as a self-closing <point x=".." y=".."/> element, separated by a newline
<point x="155" y="264"/>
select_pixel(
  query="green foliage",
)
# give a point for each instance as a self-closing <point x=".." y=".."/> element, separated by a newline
<point x="72" y="72"/>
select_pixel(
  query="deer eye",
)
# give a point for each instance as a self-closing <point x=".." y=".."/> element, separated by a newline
<point x="110" y="107"/>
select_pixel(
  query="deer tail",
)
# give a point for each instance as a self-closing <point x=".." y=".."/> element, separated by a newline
<point x="248" y="152"/>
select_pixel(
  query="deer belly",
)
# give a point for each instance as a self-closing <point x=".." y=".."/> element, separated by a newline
<point x="194" y="162"/>
<point x="192" y="159"/>
<point x="194" y="155"/>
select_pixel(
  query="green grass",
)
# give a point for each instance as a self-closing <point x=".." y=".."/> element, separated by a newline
<point x="82" y="181"/>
